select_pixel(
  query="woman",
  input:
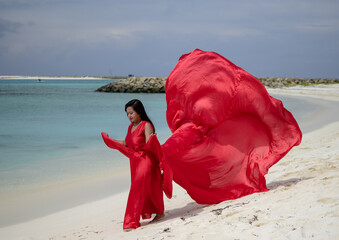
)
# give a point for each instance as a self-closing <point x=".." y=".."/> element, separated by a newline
<point x="145" y="196"/>
<point x="227" y="131"/>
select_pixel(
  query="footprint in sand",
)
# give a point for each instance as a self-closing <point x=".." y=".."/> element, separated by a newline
<point x="327" y="200"/>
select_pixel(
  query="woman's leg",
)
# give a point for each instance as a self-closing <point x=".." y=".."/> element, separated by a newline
<point x="140" y="184"/>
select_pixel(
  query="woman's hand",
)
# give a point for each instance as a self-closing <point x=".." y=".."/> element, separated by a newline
<point x="121" y="142"/>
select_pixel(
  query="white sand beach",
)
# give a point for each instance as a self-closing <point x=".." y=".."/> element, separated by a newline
<point x="303" y="201"/>
<point x="328" y="92"/>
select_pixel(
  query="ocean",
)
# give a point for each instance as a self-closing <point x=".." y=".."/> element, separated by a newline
<point x="48" y="129"/>
<point x="50" y="135"/>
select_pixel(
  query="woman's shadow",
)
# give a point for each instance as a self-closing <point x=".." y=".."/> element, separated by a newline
<point x="192" y="208"/>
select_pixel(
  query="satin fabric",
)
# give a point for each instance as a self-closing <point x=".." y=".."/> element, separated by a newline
<point x="227" y="130"/>
<point x="145" y="196"/>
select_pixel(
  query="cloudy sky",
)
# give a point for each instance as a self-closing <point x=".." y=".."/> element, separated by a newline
<point x="290" y="38"/>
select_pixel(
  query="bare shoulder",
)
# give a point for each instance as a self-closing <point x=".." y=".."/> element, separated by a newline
<point x="148" y="128"/>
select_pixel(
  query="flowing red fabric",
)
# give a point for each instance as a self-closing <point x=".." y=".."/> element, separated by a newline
<point x="227" y="130"/>
<point x="145" y="196"/>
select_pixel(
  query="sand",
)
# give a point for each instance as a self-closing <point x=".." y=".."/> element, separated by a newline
<point x="303" y="203"/>
<point x="328" y="92"/>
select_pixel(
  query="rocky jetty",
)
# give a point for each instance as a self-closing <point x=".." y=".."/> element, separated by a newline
<point x="136" y="85"/>
<point x="157" y="84"/>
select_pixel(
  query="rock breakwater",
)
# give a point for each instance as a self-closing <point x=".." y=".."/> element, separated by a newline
<point x="136" y="85"/>
<point x="157" y="84"/>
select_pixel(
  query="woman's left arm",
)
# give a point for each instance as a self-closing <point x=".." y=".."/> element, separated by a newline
<point x="148" y="131"/>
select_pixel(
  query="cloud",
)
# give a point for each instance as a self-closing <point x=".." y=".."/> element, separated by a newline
<point x="318" y="27"/>
<point x="7" y="27"/>
<point x="262" y="36"/>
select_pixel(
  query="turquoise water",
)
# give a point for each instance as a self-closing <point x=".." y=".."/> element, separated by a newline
<point x="50" y="130"/>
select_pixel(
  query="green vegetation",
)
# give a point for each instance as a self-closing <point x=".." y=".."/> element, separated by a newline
<point x="316" y="83"/>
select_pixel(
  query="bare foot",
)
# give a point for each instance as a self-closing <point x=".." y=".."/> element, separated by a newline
<point x="157" y="217"/>
<point x="128" y="229"/>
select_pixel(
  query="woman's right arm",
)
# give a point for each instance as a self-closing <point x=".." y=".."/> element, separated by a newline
<point x="121" y="142"/>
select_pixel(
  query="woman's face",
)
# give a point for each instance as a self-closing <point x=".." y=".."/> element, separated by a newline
<point x="132" y="115"/>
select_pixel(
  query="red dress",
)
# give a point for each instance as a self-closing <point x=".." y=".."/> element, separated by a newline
<point x="227" y="130"/>
<point x="145" y="196"/>
<point x="227" y="133"/>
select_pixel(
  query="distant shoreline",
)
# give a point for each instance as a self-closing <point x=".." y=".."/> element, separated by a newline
<point x="18" y="77"/>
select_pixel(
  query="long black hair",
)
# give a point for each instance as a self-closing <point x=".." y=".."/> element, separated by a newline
<point x="139" y="108"/>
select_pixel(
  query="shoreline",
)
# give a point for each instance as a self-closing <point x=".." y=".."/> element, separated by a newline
<point x="31" y="228"/>
<point x="20" y="207"/>
<point x="323" y="115"/>
<point x="59" y="77"/>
